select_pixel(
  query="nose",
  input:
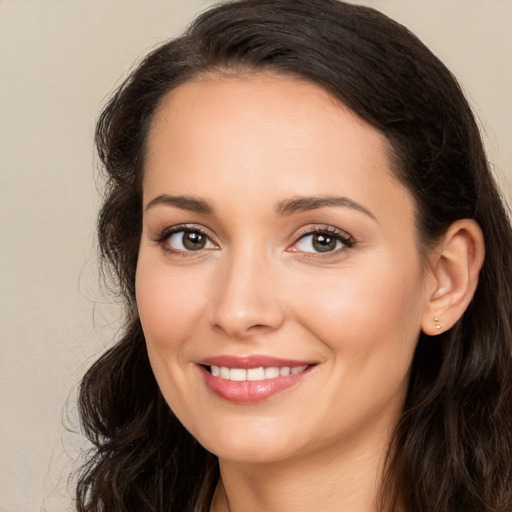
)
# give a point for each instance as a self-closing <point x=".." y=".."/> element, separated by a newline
<point x="245" y="299"/>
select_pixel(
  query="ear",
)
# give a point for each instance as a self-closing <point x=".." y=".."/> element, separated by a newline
<point x="454" y="268"/>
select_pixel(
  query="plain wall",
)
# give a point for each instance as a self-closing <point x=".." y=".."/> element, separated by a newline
<point x="58" y="62"/>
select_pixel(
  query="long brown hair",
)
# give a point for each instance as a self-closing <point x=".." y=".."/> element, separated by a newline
<point x="452" y="448"/>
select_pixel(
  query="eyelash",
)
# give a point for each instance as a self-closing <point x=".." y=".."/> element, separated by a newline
<point x="346" y="240"/>
<point x="185" y="228"/>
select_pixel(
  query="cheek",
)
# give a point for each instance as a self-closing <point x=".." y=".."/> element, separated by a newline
<point x="372" y="315"/>
<point x="169" y="305"/>
<point x="169" y="310"/>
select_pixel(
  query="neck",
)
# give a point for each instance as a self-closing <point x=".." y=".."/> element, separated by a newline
<point x="345" y="479"/>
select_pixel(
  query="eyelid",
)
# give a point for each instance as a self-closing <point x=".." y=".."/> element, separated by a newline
<point x="167" y="232"/>
<point x="345" y="238"/>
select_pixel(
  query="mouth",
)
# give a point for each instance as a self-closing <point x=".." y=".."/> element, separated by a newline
<point x="254" y="374"/>
<point x="252" y="379"/>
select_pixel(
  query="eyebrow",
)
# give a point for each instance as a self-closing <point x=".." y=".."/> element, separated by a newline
<point x="284" y="208"/>
<point x="182" y="202"/>
<point x="304" y="204"/>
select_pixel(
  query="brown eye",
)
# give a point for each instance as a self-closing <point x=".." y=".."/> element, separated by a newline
<point x="324" y="242"/>
<point x="188" y="240"/>
<point x="193" y="241"/>
<point x="318" y="242"/>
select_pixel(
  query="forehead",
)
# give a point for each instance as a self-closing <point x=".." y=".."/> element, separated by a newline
<point x="264" y="135"/>
<point x="255" y="107"/>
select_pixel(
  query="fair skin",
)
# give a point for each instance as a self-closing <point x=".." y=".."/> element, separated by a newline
<point x="273" y="228"/>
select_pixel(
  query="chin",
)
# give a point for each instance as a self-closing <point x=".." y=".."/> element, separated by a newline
<point x="258" y="444"/>
<point x="253" y="454"/>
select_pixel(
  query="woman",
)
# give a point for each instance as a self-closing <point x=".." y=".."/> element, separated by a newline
<point x="316" y="267"/>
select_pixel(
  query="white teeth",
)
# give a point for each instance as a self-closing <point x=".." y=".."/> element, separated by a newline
<point x="256" y="373"/>
<point x="297" y="369"/>
<point x="237" y="374"/>
<point x="271" y="373"/>
<point x="261" y="373"/>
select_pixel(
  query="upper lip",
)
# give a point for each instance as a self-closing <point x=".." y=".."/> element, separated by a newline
<point x="253" y="361"/>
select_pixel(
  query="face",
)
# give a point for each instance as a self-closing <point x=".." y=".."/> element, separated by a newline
<point x="279" y="281"/>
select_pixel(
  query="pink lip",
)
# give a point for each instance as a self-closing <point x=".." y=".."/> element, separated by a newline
<point x="247" y="362"/>
<point x="248" y="392"/>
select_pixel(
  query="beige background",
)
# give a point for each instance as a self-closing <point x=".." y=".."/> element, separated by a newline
<point x="58" y="61"/>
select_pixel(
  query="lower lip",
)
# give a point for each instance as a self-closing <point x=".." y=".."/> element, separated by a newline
<point x="250" y="391"/>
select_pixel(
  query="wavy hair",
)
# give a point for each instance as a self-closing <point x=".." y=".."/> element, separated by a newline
<point x="452" y="447"/>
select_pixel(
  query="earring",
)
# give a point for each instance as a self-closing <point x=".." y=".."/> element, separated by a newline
<point x="436" y="320"/>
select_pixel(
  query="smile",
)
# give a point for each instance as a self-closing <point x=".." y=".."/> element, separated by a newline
<point x="255" y="374"/>
<point x="252" y="379"/>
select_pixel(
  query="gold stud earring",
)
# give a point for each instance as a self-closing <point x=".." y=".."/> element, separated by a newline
<point x="436" y="320"/>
